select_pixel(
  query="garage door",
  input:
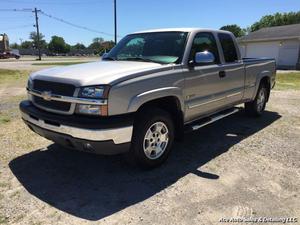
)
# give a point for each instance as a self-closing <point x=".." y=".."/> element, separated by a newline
<point x="288" y="53"/>
<point x="263" y="49"/>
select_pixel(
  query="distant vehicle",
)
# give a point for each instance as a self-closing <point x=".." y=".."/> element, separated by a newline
<point x="5" y="52"/>
<point x="148" y="90"/>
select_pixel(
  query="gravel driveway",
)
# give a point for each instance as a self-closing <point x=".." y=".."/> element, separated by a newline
<point x="236" y="167"/>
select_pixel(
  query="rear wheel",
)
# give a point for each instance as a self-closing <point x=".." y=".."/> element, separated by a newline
<point x="258" y="105"/>
<point x="153" y="137"/>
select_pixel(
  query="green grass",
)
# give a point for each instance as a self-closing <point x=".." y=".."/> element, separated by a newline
<point x="288" y="81"/>
<point x="9" y="108"/>
<point x="56" y="63"/>
<point x="4" y="118"/>
<point x="13" y="77"/>
<point x="3" y="219"/>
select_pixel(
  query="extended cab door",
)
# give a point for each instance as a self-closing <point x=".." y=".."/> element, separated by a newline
<point x="233" y="79"/>
<point x="205" y="87"/>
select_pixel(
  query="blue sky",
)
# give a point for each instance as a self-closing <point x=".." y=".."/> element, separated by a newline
<point x="133" y="15"/>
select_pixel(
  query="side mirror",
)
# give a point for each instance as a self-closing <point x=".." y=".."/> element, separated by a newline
<point x="205" y="57"/>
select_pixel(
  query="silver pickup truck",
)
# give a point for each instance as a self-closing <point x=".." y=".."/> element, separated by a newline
<point x="146" y="92"/>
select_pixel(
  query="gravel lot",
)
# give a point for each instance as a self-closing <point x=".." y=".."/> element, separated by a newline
<point x="237" y="167"/>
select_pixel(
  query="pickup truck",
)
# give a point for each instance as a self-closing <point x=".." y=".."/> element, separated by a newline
<point x="150" y="89"/>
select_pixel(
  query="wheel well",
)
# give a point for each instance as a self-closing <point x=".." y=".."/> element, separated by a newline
<point x="171" y="105"/>
<point x="267" y="83"/>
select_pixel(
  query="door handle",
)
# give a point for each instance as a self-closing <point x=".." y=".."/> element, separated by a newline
<point x="222" y="74"/>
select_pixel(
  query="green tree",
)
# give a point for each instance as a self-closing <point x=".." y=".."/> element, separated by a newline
<point x="58" y="45"/>
<point x="78" y="46"/>
<point x="98" y="40"/>
<point x="99" y="45"/>
<point x="14" y="46"/>
<point x="235" y="29"/>
<point x="277" y="19"/>
<point x="34" y="37"/>
<point x="107" y="45"/>
<point x="26" y="45"/>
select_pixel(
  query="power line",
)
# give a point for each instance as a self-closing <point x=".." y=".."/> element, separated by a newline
<point x="75" y="25"/>
<point x="17" y="27"/>
<point x="14" y="18"/>
<point x="61" y="20"/>
<point x="56" y="3"/>
<point x="15" y="10"/>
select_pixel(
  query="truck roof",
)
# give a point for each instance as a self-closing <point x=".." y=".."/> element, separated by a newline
<point x="191" y="29"/>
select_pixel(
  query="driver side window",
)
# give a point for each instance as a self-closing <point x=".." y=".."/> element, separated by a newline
<point x="205" y="42"/>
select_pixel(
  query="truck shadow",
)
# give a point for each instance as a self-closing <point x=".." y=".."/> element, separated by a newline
<point x="93" y="187"/>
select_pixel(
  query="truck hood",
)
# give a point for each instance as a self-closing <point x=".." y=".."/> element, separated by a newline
<point x="101" y="72"/>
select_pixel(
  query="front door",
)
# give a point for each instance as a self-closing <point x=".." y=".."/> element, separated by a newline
<point x="205" y="85"/>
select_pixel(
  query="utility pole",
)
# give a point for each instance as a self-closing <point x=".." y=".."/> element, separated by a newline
<point x="37" y="32"/>
<point x="115" y="20"/>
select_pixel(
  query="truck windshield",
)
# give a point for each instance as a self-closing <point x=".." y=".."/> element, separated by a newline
<point x="160" y="47"/>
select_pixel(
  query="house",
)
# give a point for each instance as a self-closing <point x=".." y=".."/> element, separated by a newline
<point x="281" y="43"/>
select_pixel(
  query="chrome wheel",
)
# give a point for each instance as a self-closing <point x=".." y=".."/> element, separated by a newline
<point x="261" y="98"/>
<point x="156" y="140"/>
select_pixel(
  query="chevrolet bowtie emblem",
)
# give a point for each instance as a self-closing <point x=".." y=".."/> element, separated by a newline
<point x="46" y="95"/>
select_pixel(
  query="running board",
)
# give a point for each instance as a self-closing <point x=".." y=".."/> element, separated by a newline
<point x="208" y="120"/>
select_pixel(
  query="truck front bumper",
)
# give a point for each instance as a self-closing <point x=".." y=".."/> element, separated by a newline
<point x="105" y="135"/>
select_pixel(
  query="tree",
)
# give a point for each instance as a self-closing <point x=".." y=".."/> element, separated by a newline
<point x="277" y="19"/>
<point x="101" y="46"/>
<point x="107" y="45"/>
<point x="14" y="46"/>
<point x="235" y="29"/>
<point x="98" y="40"/>
<point x="78" y="46"/>
<point x="26" y="45"/>
<point x="34" y="37"/>
<point x="58" y="45"/>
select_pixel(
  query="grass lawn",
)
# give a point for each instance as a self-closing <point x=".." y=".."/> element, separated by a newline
<point x="287" y="81"/>
<point x="13" y="77"/>
<point x="56" y="63"/>
<point x="9" y="108"/>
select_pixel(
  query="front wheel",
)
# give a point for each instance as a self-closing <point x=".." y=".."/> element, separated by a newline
<point x="153" y="138"/>
<point x="258" y="105"/>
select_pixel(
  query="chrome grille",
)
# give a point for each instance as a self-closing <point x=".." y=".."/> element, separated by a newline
<point x="56" y="89"/>
<point x="56" y="105"/>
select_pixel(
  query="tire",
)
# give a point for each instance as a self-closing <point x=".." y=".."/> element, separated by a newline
<point x="153" y="137"/>
<point x="258" y="105"/>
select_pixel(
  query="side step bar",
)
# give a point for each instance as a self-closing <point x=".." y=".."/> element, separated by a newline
<point x="208" y="120"/>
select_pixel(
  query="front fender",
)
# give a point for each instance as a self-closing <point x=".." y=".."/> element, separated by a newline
<point x="137" y="101"/>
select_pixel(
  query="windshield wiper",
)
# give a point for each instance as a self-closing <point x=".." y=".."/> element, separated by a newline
<point x="141" y="59"/>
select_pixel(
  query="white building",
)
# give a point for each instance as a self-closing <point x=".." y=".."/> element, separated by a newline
<point x="281" y="43"/>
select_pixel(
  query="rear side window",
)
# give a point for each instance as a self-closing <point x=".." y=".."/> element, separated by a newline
<point x="205" y="42"/>
<point x="228" y="47"/>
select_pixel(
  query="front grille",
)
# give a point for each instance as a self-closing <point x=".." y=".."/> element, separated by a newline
<point x="56" y="105"/>
<point x="56" y="89"/>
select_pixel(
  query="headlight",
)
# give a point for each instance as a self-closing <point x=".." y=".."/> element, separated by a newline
<point x="95" y="92"/>
<point x="96" y="110"/>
